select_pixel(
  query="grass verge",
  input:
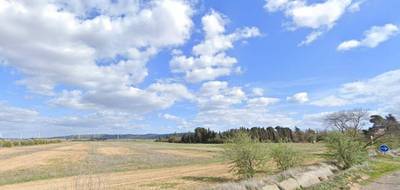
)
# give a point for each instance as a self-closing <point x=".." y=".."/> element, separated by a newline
<point x="361" y="174"/>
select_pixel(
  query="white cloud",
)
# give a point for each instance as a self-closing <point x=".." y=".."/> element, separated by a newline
<point x="258" y="91"/>
<point x="348" y="45"/>
<point x="261" y="102"/>
<point x="319" y="17"/>
<point x="209" y="60"/>
<point x="70" y="99"/>
<point x="223" y="119"/>
<point x="331" y="101"/>
<point x="15" y="115"/>
<point x="222" y="106"/>
<point x="157" y="96"/>
<point x="311" y="37"/>
<point x="314" y="120"/>
<point x="380" y="91"/>
<point x="180" y="122"/>
<point x="355" y="7"/>
<point x="24" y="122"/>
<point x="58" y="43"/>
<point x="373" y="37"/>
<point x="217" y="94"/>
<point x="301" y="97"/>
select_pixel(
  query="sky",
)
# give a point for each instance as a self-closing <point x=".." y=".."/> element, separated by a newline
<point x="164" y="66"/>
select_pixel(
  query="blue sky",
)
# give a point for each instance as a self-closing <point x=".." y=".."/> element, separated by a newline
<point x="73" y="67"/>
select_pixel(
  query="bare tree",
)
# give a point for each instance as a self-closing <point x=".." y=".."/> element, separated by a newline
<point x="348" y="121"/>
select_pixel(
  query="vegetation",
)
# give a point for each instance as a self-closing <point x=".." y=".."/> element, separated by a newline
<point x="345" y="150"/>
<point x="286" y="157"/>
<point x="259" y="134"/>
<point x="30" y="142"/>
<point x="348" y="121"/>
<point x="193" y="158"/>
<point x="126" y="163"/>
<point x="365" y="173"/>
<point x="384" y="130"/>
<point x="202" y="135"/>
<point x="245" y="155"/>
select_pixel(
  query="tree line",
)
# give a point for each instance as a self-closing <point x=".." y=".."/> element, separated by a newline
<point x="260" y="134"/>
<point x="383" y="129"/>
<point x="351" y="122"/>
<point x="28" y="142"/>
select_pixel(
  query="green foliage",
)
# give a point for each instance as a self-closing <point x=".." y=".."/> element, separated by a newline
<point x="260" y="134"/>
<point x="373" y="169"/>
<point x="345" y="150"/>
<point x="391" y="139"/>
<point x="6" y="144"/>
<point x="245" y="154"/>
<point x="173" y="139"/>
<point x="385" y="130"/>
<point x="286" y="157"/>
<point x="11" y="143"/>
<point x="202" y="135"/>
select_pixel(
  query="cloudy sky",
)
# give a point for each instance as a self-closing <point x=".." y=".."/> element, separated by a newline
<point x="161" y="66"/>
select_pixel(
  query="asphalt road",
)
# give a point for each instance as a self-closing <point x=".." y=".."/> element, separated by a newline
<point x="389" y="182"/>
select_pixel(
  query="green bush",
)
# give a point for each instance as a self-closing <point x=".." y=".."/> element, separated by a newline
<point x="6" y="144"/>
<point x="345" y="150"/>
<point x="11" y="143"/>
<point x="245" y="155"/>
<point x="286" y="157"/>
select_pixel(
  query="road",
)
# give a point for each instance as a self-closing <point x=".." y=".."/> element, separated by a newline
<point x="389" y="182"/>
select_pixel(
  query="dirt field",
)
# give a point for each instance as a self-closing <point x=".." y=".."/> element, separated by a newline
<point x="118" y="165"/>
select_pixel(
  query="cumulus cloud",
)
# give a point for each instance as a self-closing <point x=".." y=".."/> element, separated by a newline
<point x="382" y="91"/>
<point x="157" y="96"/>
<point x="222" y="119"/>
<point x="209" y="60"/>
<point x="217" y="94"/>
<point x="61" y="43"/>
<point x="301" y="97"/>
<point x="101" y="119"/>
<point x="372" y="37"/>
<point x="26" y="122"/>
<point x="223" y="106"/>
<point x="320" y="17"/>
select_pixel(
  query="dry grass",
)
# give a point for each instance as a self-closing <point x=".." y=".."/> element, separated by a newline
<point x="120" y="165"/>
<point x="114" y="151"/>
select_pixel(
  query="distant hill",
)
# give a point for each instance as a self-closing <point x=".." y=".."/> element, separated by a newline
<point x="115" y="136"/>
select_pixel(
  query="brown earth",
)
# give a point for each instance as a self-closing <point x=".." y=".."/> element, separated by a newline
<point x="72" y="153"/>
<point x="187" y="153"/>
<point x="113" y="151"/>
<point x="180" y="177"/>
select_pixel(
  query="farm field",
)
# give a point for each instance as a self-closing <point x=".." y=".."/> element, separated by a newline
<point x="122" y="165"/>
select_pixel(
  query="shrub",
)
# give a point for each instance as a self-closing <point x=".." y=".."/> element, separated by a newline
<point x="245" y="155"/>
<point x="16" y="143"/>
<point x="11" y="143"/>
<point x="7" y="144"/>
<point x="285" y="157"/>
<point x="345" y="150"/>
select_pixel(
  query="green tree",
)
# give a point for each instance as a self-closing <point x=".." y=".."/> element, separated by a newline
<point x="345" y="150"/>
<point x="285" y="156"/>
<point x="298" y="135"/>
<point x="244" y="154"/>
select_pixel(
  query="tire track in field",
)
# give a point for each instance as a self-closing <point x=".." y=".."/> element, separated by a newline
<point x="135" y="179"/>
